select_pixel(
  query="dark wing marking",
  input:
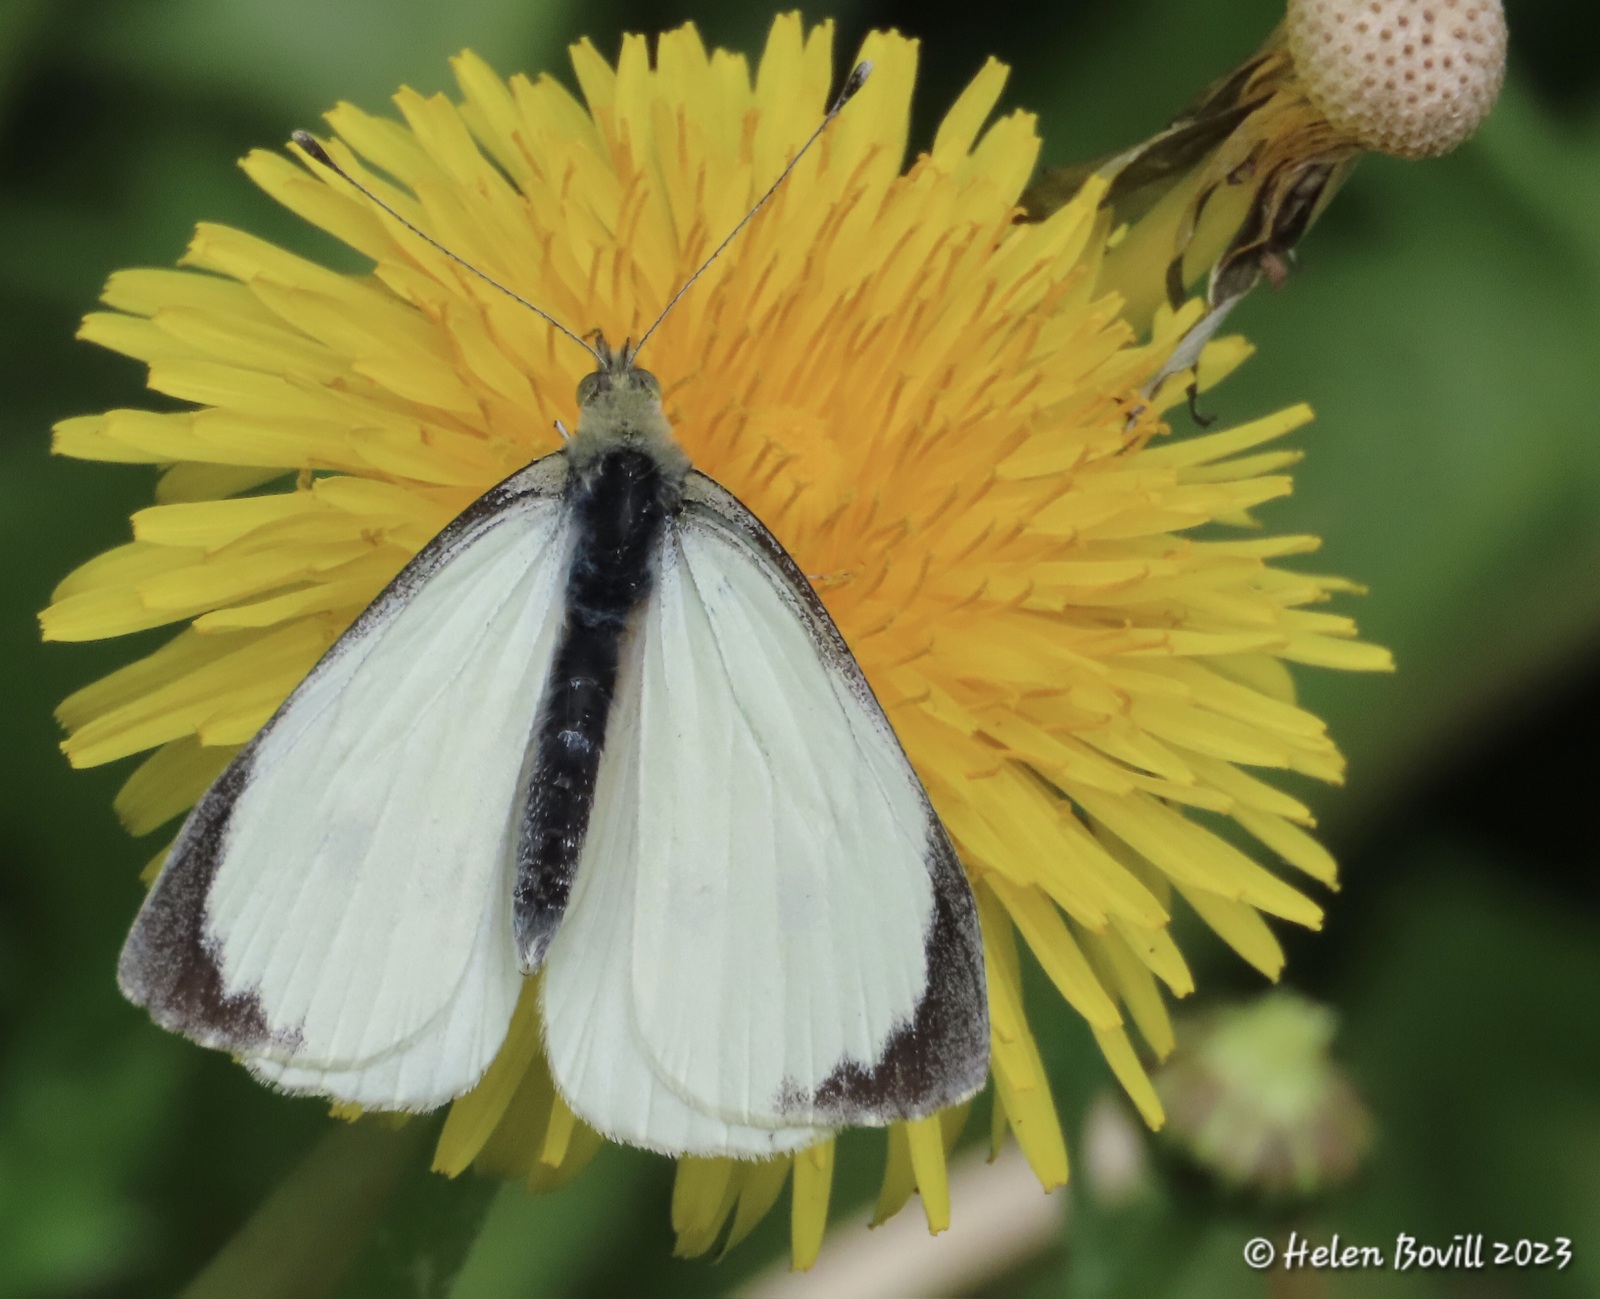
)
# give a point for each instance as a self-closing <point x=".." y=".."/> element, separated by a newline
<point x="942" y="1056"/>
<point x="168" y="965"/>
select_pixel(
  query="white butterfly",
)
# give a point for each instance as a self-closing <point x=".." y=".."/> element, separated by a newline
<point x="600" y="727"/>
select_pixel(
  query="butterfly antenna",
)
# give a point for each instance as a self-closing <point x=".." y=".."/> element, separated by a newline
<point x="853" y="83"/>
<point x="319" y="154"/>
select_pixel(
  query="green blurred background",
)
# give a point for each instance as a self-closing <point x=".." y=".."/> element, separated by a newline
<point x="1446" y="325"/>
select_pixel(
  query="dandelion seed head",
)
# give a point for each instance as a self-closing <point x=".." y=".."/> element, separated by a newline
<point x="1412" y="78"/>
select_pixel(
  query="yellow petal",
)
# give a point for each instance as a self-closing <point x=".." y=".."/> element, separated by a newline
<point x="703" y="1195"/>
<point x="925" y="1141"/>
<point x="211" y="525"/>
<point x="97" y="614"/>
<point x="169" y="782"/>
<point x="474" y="1116"/>
<point x="256" y="670"/>
<point x="1291" y="843"/>
<point x="193" y="481"/>
<point x="959" y="130"/>
<point x="143" y="291"/>
<point x="1155" y="948"/>
<point x="813" y="1183"/>
<point x="341" y="214"/>
<point x="152" y="868"/>
<point x="582" y="1145"/>
<point x="85" y="437"/>
<point x="1137" y="989"/>
<point x="1241" y="927"/>
<point x="350" y="588"/>
<point x="1346" y="655"/>
<point x="1192" y="856"/>
<point x="228" y="578"/>
<point x="1046" y="933"/>
<point x="899" y="1178"/>
<point x="1124" y="1062"/>
<point x="512" y="1147"/>
<point x="121" y="567"/>
<point x="558" y="1135"/>
<point x="762" y="1184"/>
<point x="1212" y="447"/>
<point x="1246" y="791"/>
<point x="1023" y="1090"/>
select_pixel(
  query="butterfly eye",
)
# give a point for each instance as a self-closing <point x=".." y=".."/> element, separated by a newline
<point x="589" y="387"/>
<point x="649" y="383"/>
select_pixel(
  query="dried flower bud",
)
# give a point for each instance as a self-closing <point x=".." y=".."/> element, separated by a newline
<point x="1412" y="78"/>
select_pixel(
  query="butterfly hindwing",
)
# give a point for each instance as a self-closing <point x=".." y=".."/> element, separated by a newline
<point x="336" y="910"/>
<point x="597" y="1056"/>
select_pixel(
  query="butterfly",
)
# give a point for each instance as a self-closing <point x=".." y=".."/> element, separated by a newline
<point x="599" y="730"/>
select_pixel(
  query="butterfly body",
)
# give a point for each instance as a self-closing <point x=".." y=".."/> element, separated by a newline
<point x="625" y="483"/>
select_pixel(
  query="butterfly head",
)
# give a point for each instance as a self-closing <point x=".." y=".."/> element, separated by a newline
<point x="617" y="375"/>
<point x="621" y="404"/>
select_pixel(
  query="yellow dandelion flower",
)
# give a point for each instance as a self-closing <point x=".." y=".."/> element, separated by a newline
<point x="932" y="406"/>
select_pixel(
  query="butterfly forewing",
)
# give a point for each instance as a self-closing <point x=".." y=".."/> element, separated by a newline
<point x="337" y="908"/>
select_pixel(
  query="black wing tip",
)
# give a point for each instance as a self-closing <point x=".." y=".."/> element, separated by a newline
<point x="169" y="964"/>
<point x="187" y="998"/>
<point x="939" y="1059"/>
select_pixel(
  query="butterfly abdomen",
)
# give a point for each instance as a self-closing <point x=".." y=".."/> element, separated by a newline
<point x="620" y="502"/>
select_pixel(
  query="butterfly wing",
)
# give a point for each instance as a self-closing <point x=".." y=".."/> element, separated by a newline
<point x="801" y="945"/>
<point x="597" y="1055"/>
<point x="336" y="910"/>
